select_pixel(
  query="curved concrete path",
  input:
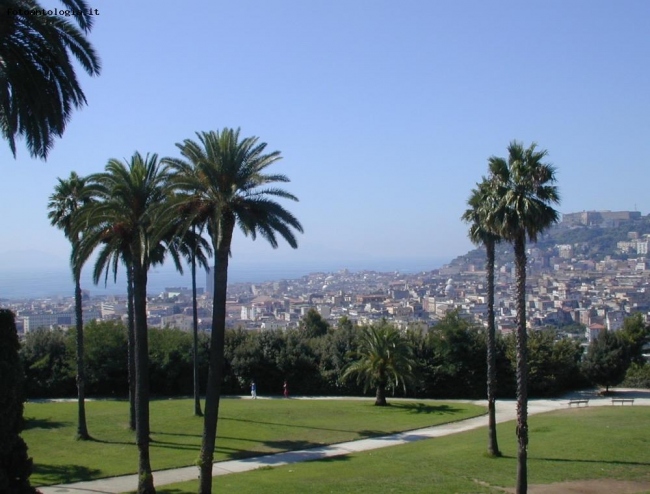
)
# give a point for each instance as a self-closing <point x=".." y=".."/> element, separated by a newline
<point x="506" y="411"/>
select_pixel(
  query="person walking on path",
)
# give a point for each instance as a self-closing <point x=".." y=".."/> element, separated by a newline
<point x="286" y="389"/>
<point x="253" y="390"/>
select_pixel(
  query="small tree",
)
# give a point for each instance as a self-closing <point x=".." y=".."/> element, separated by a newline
<point x="15" y="465"/>
<point x="606" y="361"/>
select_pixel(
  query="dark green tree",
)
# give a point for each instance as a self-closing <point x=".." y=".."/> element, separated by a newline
<point x="553" y="363"/>
<point x="606" y="361"/>
<point x="383" y="358"/>
<point x="481" y="203"/>
<point x="48" y="363"/>
<point x="525" y="191"/>
<point x="231" y="182"/>
<point x="38" y="85"/>
<point x="15" y="465"/>
<point x="334" y="353"/>
<point x="636" y="335"/>
<point x="107" y="358"/>
<point x="70" y="195"/>
<point x="458" y="347"/>
<point x="313" y="325"/>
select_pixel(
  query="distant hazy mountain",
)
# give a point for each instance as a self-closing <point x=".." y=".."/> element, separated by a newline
<point x="590" y="242"/>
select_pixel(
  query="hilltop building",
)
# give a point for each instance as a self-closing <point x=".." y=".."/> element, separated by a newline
<point x="599" y="218"/>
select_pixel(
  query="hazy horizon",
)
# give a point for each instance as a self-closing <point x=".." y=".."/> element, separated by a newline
<point x="56" y="281"/>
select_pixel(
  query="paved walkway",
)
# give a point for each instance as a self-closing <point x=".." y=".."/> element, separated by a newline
<point x="506" y="410"/>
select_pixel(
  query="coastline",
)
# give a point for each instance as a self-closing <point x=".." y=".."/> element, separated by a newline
<point x="57" y="282"/>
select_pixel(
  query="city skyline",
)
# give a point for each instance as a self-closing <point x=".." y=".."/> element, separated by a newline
<point x="385" y="113"/>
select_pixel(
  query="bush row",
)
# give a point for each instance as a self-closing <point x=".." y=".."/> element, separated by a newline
<point x="451" y="361"/>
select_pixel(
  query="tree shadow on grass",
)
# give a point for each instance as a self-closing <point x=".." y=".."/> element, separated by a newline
<point x="160" y="433"/>
<point x="287" y="425"/>
<point x="296" y="454"/>
<point x="267" y="448"/>
<point x="34" y="423"/>
<point x="606" y="462"/>
<point x="365" y="434"/>
<point x="62" y="474"/>
<point x="424" y="408"/>
<point x="106" y="441"/>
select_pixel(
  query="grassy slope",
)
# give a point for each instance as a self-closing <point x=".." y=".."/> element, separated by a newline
<point x="246" y="428"/>
<point x="602" y="442"/>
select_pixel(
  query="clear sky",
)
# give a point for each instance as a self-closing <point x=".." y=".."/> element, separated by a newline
<point x="385" y="111"/>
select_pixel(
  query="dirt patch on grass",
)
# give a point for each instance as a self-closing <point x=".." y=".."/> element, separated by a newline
<point x="602" y="486"/>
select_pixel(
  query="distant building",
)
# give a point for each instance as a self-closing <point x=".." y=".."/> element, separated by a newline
<point x="599" y="218"/>
<point x="60" y="319"/>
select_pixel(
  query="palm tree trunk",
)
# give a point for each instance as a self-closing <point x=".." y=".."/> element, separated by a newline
<point x="222" y="240"/>
<point x="145" y="477"/>
<point x="131" y="344"/>
<point x="380" y="395"/>
<point x="195" y="346"/>
<point x="493" y="445"/>
<point x="82" y="427"/>
<point x="522" y="366"/>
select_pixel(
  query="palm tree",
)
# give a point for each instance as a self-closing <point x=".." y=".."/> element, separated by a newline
<point x="384" y="358"/>
<point x="38" y="84"/>
<point x="70" y="195"/>
<point x="127" y="217"/>
<point x="525" y="191"/>
<point x="481" y="200"/>
<point x="230" y="182"/>
<point x="193" y="247"/>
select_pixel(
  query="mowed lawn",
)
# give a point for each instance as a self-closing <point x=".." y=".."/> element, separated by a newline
<point x="592" y="443"/>
<point x="246" y="428"/>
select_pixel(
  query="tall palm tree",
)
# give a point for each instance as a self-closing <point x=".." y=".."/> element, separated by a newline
<point x="194" y="215"/>
<point x="128" y="213"/>
<point x="69" y="196"/>
<point x="525" y="191"/>
<point x="383" y="358"/>
<point x="194" y="248"/>
<point x="38" y="84"/>
<point x="480" y="202"/>
<point x="231" y="184"/>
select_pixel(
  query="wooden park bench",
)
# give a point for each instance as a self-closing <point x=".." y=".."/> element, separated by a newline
<point x="579" y="401"/>
<point x="622" y="401"/>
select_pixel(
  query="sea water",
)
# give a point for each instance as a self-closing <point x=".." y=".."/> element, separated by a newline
<point x="53" y="282"/>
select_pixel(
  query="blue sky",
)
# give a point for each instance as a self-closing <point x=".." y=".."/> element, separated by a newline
<point x="385" y="112"/>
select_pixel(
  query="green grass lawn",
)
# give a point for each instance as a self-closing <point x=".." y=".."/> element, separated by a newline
<point x="246" y="428"/>
<point x="593" y="443"/>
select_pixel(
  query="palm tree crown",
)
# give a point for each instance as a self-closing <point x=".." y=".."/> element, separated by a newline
<point x="123" y="219"/>
<point x="38" y="84"/>
<point x="226" y="183"/>
<point x="481" y="203"/>
<point x="524" y="186"/>
<point x="69" y="195"/>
